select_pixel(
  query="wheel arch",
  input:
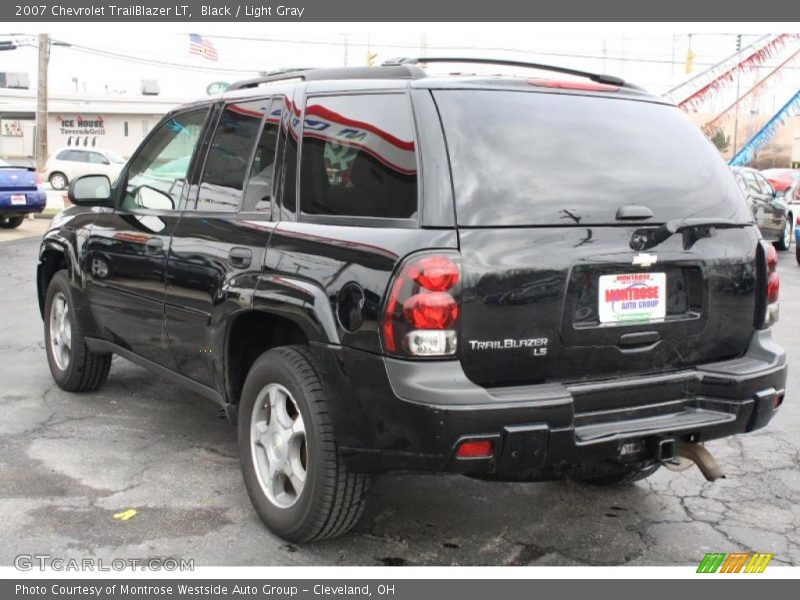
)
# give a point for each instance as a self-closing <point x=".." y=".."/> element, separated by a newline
<point x="53" y="256"/>
<point x="248" y="335"/>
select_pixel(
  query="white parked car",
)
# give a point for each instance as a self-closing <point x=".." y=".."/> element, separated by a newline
<point x="68" y="163"/>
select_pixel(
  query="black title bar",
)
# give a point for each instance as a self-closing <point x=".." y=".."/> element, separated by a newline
<point x="779" y="11"/>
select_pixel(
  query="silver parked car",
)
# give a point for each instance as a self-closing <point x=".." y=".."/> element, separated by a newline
<point x="68" y="163"/>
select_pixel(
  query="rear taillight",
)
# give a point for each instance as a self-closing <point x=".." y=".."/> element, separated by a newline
<point x="771" y="283"/>
<point x="420" y="315"/>
<point x="39" y="178"/>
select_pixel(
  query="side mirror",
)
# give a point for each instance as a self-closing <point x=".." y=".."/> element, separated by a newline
<point x="90" y="190"/>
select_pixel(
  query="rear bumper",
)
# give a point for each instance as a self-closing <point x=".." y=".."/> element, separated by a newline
<point x="34" y="203"/>
<point x="392" y="414"/>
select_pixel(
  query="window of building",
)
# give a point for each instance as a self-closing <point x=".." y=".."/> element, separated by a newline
<point x="358" y="157"/>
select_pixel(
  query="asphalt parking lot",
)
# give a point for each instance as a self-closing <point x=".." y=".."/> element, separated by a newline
<point x="69" y="462"/>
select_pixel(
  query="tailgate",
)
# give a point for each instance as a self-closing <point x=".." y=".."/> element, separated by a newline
<point x="530" y="315"/>
<point x="553" y="192"/>
<point x="14" y="179"/>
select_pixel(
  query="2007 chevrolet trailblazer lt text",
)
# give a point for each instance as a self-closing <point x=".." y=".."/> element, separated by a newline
<point x="376" y="269"/>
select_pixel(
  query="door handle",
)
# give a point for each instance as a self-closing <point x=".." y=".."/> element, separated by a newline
<point x="154" y="245"/>
<point x="240" y="257"/>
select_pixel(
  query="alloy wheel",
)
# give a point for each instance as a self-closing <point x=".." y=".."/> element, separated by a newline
<point x="278" y="445"/>
<point x="60" y="331"/>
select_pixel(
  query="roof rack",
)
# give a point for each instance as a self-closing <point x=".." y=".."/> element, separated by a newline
<point x="596" y="77"/>
<point x="398" y="71"/>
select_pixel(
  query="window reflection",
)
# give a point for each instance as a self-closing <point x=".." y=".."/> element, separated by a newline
<point x="358" y="157"/>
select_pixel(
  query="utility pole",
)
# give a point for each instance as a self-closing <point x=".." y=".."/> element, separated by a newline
<point x="736" y="114"/>
<point x="41" y="102"/>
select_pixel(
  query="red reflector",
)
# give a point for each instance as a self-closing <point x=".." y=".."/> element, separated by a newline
<point x="475" y="449"/>
<point x="434" y="273"/>
<point x="773" y="287"/>
<point x="391" y="305"/>
<point x="587" y="86"/>
<point x="434" y="310"/>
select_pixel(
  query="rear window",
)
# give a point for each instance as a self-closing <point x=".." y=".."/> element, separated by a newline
<point x="523" y="158"/>
<point x="358" y="157"/>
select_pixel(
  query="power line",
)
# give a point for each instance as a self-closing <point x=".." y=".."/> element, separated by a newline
<point x="412" y="46"/>
<point x="117" y="55"/>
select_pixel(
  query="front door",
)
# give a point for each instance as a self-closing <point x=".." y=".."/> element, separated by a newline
<point x="127" y="246"/>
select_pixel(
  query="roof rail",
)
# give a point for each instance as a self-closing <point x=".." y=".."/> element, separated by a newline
<point x="596" y="77"/>
<point x="404" y="71"/>
<point x="277" y="75"/>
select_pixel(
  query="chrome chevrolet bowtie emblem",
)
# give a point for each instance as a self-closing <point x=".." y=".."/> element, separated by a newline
<point x="645" y="260"/>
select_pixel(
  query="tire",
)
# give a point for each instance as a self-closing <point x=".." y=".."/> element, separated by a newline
<point x="785" y="242"/>
<point x="73" y="366"/>
<point x="11" y="222"/>
<point x="330" y="499"/>
<point x="627" y="475"/>
<point x="58" y="181"/>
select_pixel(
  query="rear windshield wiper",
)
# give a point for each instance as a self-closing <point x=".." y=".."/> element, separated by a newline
<point x="692" y="229"/>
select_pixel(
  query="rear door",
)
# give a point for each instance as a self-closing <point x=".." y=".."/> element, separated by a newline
<point x="774" y="208"/>
<point x="759" y="206"/>
<point x="79" y="163"/>
<point x="218" y="246"/>
<point x="556" y="194"/>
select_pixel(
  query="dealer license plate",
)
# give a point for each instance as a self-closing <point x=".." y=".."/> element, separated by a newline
<point x="18" y="200"/>
<point x="632" y="297"/>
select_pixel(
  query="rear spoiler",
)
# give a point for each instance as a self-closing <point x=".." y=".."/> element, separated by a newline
<point x="16" y="167"/>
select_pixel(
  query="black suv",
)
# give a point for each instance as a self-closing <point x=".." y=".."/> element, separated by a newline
<point x="372" y="269"/>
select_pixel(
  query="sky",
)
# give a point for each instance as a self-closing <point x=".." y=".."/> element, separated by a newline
<point x="652" y="56"/>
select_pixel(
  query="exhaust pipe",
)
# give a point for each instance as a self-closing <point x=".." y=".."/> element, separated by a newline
<point x="703" y="459"/>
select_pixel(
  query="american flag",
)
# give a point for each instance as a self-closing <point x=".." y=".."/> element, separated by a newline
<point x="202" y="47"/>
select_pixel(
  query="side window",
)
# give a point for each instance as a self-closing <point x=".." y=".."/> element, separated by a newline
<point x="97" y="158"/>
<point x="228" y="157"/>
<point x="740" y="181"/>
<point x="260" y="181"/>
<point x="752" y="184"/>
<point x="290" y="131"/>
<point x="77" y="156"/>
<point x="358" y="157"/>
<point x="766" y="187"/>
<point x="157" y="174"/>
<point x="63" y="155"/>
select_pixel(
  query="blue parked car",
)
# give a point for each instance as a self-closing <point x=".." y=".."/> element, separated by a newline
<point x="20" y="194"/>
